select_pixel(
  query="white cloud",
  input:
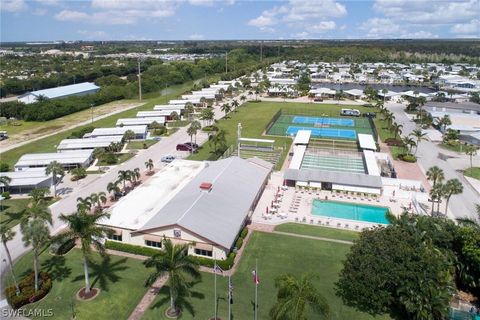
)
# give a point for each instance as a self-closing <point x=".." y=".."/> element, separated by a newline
<point x="13" y="5"/>
<point x="207" y="3"/>
<point x="378" y="28"/>
<point x="120" y="12"/>
<point x="40" y="12"/>
<point x="429" y="12"/>
<point x="473" y="27"/>
<point x="196" y="36"/>
<point x="323" y="26"/>
<point x="301" y="35"/>
<point x="303" y="12"/>
<point x="49" y="2"/>
<point x="93" y="35"/>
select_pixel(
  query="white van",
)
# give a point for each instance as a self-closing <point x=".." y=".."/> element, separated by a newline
<point x="350" y="112"/>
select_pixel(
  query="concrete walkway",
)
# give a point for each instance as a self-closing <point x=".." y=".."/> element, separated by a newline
<point x="312" y="237"/>
<point x="148" y="298"/>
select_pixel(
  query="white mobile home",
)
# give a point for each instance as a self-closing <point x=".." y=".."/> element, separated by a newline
<point x="140" y="121"/>
<point x="87" y="143"/>
<point x="69" y="160"/>
<point x="140" y="131"/>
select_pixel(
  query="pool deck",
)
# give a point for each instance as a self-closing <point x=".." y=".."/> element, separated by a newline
<point x="295" y="205"/>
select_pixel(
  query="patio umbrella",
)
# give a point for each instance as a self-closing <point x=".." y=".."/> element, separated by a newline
<point x="278" y="189"/>
<point x="266" y="211"/>
<point x="272" y="204"/>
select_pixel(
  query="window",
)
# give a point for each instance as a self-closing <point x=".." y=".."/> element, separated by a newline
<point x="154" y="244"/>
<point x="202" y="252"/>
<point x="115" y="237"/>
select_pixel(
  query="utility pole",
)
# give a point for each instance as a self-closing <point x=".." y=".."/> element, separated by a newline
<point x="139" y="82"/>
<point x="261" y="51"/>
<point x="226" y="62"/>
<point x="91" y="106"/>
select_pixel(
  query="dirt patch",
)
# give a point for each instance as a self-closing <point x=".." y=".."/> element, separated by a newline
<point x="46" y="129"/>
<point x="83" y="296"/>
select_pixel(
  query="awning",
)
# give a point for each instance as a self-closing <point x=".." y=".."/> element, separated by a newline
<point x="153" y="238"/>
<point x="204" y="246"/>
<point x="117" y="232"/>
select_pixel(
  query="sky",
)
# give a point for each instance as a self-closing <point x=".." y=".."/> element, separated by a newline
<point x="41" y="20"/>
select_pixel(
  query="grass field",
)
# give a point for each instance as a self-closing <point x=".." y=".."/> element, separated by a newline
<point x="277" y="255"/>
<point x="120" y="280"/>
<point x="140" y="144"/>
<point x="49" y="144"/>
<point x="318" y="231"/>
<point x="255" y="117"/>
<point x="473" y="172"/>
<point x="13" y="210"/>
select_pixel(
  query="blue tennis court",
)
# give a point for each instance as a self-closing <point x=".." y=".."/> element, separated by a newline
<point x="325" y="132"/>
<point x="324" y="121"/>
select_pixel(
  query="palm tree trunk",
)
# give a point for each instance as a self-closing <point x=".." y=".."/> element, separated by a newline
<point x="172" y="302"/>
<point x="11" y="268"/>
<point x="35" y="268"/>
<point x="446" y="205"/>
<point x="54" y="186"/>
<point x="85" y="269"/>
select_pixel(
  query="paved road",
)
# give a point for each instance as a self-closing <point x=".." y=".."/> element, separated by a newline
<point x="462" y="205"/>
<point x="68" y="204"/>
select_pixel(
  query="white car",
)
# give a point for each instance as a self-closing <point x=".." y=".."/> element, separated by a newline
<point x="168" y="158"/>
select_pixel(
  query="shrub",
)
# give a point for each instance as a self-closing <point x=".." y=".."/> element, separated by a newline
<point x="209" y="263"/>
<point x="4" y="167"/>
<point x="62" y="248"/>
<point x="210" y="128"/>
<point x="161" y="130"/>
<point x="244" y="232"/>
<point x="81" y="132"/>
<point x="143" y="251"/>
<point x="27" y="290"/>
<point x="110" y="158"/>
<point x="408" y="157"/>
<point x="6" y="195"/>
<point x="394" y="142"/>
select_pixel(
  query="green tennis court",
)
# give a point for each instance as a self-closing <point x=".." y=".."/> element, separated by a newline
<point x="285" y="122"/>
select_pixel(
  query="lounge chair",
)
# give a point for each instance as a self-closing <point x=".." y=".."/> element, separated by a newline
<point x="339" y="225"/>
<point x="304" y="219"/>
<point x="319" y="222"/>
<point x="311" y="221"/>
<point x="296" y="219"/>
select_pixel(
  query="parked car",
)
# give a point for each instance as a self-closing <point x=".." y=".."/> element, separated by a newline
<point x="192" y="145"/>
<point x="168" y="158"/>
<point x="370" y="114"/>
<point x="184" y="147"/>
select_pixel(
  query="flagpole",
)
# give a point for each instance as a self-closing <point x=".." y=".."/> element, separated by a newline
<point x="229" y="296"/>
<point x="215" y="281"/>
<point x="256" y="289"/>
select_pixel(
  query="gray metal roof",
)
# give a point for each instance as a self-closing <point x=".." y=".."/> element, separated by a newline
<point x="88" y="143"/>
<point x="142" y="129"/>
<point x="28" y="177"/>
<point x="316" y="175"/>
<point x="64" y="90"/>
<point x="43" y="159"/>
<point x="453" y="105"/>
<point x="218" y="214"/>
<point x="139" y="121"/>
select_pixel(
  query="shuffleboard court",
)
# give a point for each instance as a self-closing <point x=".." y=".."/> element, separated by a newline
<point x="325" y="132"/>
<point x="322" y="121"/>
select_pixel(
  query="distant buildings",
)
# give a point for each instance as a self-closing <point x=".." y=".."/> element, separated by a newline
<point x="78" y="89"/>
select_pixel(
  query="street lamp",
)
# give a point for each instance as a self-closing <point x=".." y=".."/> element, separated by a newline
<point x="91" y="106"/>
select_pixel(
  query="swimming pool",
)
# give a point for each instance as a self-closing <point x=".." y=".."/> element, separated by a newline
<point x="324" y="121"/>
<point x="325" y="132"/>
<point x="350" y="211"/>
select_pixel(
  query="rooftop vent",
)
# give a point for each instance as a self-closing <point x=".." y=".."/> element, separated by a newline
<point x="206" y="186"/>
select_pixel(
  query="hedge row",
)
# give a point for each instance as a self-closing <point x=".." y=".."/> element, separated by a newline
<point x="27" y="290"/>
<point x="129" y="248"/>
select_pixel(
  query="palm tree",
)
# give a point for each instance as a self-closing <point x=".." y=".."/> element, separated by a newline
<point x="5" y="182"/>
<point x="56" y="170"/>
<point x="128" y="135"/>
<point x="197" y="126"/>
<point x="149" y="165"/>
<point x="471" y="151"/>
<point x="436" y="193"/>
<point x="435" y="174"/>
<point x="409" y="143"/>
<point x="191" y="131"/>
<point x="243" y="98"/>
<point x="85" y="228"/>
<point x="389" y="117"/>
<point x="135" y="176"/>
<point x="444" y="122"/>
<point x="207" y="115"/>
<point x="84" y="204"/>
<point x="226" y="108"/>
<point x="235" y="105"/>
<point x="175" y="262"/>
<point x="113" y="188"/>
<point x="218" y="139"/>
<point x="295" y="296"/>
<point x="397" y="129"/>
<point x="419" y="136"/>
<point x="124" y="176"/>
<point x="6" y="235"/>
<point x="98" y="199"/>
<point x="452" y="187"/>
<point x="35" y="233"/>
<point x="189" y="110"/>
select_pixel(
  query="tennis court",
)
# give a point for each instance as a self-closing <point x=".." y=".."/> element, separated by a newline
<point x="322" y="121"/>
<point x="325" y="132"/>
<point x="321" y="127"/>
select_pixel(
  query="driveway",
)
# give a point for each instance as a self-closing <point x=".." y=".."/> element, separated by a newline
<point x="462" y="205"/>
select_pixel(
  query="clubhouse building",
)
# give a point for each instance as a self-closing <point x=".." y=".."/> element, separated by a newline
<point x="204" y="204"/>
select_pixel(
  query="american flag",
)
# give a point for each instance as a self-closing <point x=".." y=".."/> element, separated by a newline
<point x="256" y="279"/>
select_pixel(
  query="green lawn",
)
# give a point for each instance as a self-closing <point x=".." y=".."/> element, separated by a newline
<point x="12" y="210"/>
<point x="473" y="172"/>
<point x="140" y="144"/>
<point x="121" y="157"/>
<point x="49" y="144"/>
<point x="120" y="280"/>
<point x="277" y="255"/>
<point x="254" y="118"/>
<point x="178" y="123"/>
<point x="318" y="231"/>
<point x="456" y="147"/>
